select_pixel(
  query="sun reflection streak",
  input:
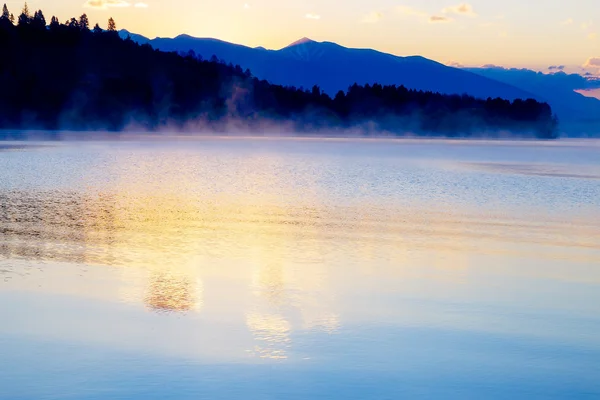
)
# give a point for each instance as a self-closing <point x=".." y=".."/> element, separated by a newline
<point x="168" y="292"/>
<point x="272" y="334"/>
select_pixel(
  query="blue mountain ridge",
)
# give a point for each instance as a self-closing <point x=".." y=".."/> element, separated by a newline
<point x="332" y="67"/>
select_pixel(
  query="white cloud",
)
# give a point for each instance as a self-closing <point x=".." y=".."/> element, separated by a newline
<point x="492" y="66"/>
<point x="312" y="16"/>
<point x="460" y="9"/>
<point x="592" y="62"/>
<point x="444" y="16"/>
<point x="141" y="5"/>
<point x="104" y="4"/>
<point x="454" y="64"/>
<point x="372" y="17"/>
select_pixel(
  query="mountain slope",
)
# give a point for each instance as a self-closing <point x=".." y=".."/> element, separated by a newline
<point x="333" y="67"/>
<point x="557" y="89"/>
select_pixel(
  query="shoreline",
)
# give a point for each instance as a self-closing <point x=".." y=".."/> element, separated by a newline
<point x="15" y="143"/>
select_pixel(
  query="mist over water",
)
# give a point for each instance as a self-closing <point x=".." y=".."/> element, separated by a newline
<point x="299" y="268"/>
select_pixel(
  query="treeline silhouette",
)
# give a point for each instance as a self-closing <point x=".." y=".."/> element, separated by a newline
<point x="66" y="76"/>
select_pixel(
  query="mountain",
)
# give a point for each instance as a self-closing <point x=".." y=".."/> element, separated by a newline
<point x="118" y="85"/>
<point x="558" y="89"/>
<point x="332" y="67"/>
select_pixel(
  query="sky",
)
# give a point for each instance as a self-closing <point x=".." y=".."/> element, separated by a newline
<point x="535" y="34"/>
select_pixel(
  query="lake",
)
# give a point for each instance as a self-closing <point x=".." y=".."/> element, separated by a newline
<point x="226" y="268"/>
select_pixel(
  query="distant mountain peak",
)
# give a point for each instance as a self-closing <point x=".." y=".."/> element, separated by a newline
<point x="184" y="36"/>
<point x="304" y="40"/>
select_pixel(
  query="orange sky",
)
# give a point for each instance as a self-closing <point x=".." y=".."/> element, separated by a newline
<point x="533" y="34"/>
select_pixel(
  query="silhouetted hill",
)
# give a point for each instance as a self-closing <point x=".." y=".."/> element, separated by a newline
<point x="65" y="76"/>
<point x="305" y="63"/>
<point x="558" y="89"/>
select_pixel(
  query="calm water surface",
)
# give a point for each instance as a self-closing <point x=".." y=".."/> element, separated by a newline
<point x="296" y="269"/>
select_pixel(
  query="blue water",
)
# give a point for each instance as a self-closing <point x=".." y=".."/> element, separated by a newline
<point x="282" y="268"/>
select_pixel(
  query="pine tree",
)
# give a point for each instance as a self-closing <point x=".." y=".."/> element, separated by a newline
<point x="73" y="23"/>
<point x="5" y="13"/>
<point x="25" y="17"/>
<point x="112" y="26"/>
<point x="54" y="24"/>
<point x="97" y="29"/>
<point x="5" y="19"/>
<point x="84" y="22"/>
<point x="39" y="21"/>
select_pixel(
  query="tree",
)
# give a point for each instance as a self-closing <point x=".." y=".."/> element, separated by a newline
<point x="25" y="17"/>
<point x="97" y="29"/>
<point x="5" y="13"/>
<point x="112" y="26"/>
<point x="73" y="23"/>
<point x="316" y="91"/>
<point x="5" y="18"/>
<point x="12" y="18"/>
<point x="191" y="54"/>
<point x="340" y="96"/>
<point x="39" y="21"/>
<point x="54" y="24"/>
<point x="84" y="22"/>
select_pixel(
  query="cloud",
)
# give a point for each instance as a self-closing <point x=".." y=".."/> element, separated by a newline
<point x="593" y="78"/>
<point x="372" y="17"/>
<point x="568" y="21"/>
<point x="312" y="16"/>
<point x="556" y="67"/>
<point x="437" y="18"/>
<point x="454" y="64"/>
<point x="492" y="66"/>
<point x="592" y="62"/>
<point x="460" y="9"/>
<point x="141" y="5"/>
<point x="104" y="4"/>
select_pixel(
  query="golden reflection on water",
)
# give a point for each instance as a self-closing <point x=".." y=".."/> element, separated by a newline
<point x="272" y="335"/>
<point x="168" y="292"/>
<point x="167" y="231"/>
